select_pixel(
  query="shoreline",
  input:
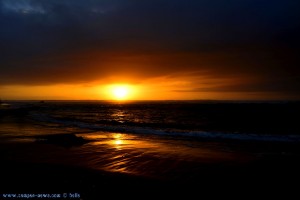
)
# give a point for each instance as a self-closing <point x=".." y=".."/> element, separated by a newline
<point x="37" y="157"/>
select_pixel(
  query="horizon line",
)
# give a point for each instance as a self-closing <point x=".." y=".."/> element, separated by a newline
<point x="114" y="100"/>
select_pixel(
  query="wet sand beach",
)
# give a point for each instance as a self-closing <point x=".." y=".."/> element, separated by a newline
<point x="127" y="164"/>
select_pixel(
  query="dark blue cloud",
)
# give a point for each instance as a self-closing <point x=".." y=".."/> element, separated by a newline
<point x="176" y="22"/>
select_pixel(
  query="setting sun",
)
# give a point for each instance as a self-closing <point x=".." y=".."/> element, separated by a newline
<point x="120" y="92"/>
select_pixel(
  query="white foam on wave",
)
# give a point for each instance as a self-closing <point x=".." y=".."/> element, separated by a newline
<point x="168" y="132"/>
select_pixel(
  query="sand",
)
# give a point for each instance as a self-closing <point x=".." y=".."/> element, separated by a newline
<point x="34" y="167"/>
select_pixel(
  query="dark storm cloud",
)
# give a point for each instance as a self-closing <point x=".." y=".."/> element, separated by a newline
<point x="49" y="41"/>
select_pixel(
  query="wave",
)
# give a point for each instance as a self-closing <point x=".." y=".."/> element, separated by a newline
<point x="166" y="131"/>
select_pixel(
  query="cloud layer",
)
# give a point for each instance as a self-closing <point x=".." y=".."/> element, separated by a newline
<point x="253" y="44"/>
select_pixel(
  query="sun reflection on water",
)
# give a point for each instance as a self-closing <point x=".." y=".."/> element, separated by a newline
<point x="118" y="116"/>
<point x="133" y="153"/>
<point x="117" y="142"/>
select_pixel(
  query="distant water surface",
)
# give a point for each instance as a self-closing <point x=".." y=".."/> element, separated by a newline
<point x="202" y="119"/>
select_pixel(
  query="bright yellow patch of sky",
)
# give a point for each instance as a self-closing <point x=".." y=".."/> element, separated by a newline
<point x="159" y="88"/>
<point x="146" y="91"/>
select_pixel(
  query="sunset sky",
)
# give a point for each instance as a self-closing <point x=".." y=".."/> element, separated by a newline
<point x="157" y="49"/>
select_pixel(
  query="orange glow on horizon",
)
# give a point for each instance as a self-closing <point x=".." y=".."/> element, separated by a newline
<point x="161" y="88"/>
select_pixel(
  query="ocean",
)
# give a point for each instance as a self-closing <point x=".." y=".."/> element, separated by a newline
<point x="237" y="120"/>
<point x="169" y="141"/>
